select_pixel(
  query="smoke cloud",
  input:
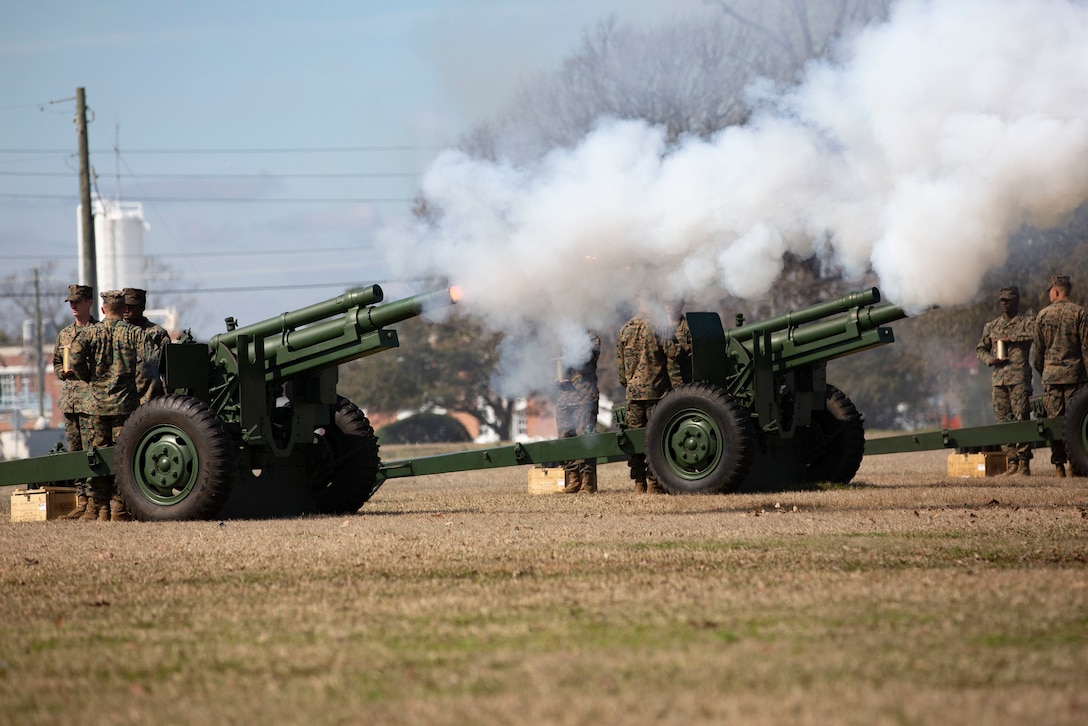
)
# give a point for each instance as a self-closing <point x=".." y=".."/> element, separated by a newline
<point x="913" y="153"/>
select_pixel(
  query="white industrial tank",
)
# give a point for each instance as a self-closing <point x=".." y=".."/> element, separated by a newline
<point x="119" y="229"/>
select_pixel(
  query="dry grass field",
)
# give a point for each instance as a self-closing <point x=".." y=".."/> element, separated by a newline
<point x="905" y="598"/>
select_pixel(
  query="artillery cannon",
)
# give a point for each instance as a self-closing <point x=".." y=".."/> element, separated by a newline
<point x="759" y="412"/>
<point x="252" y="424"/>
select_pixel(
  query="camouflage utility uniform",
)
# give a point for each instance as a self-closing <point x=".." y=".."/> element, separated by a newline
<point x="107" y="355"/>
<point x="75" y="397"/>
<point x="1061" y="345"/>
<point x="678" y="354"/>
<point x="148" y="382"/>
<point x="1011" y="377"/>
<point x="643" y="372"/>
<point x="576" y="414"/>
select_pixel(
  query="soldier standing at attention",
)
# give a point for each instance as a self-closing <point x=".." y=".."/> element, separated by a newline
<point x="108" y="355"/>
<point x="1006" y="346"/>
<point x="75" y="395"/>
<point x="1061" y="346"/>
<point x="576" y="414"/>
<point x="148" y="383"/>
<point x="642" y="370"/>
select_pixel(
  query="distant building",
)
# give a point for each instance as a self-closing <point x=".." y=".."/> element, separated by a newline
<point x="29" y="424"/>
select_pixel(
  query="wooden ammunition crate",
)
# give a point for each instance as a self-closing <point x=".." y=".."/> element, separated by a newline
<point x="990" y="463"/>
<point x="546" y="480"/>
<point x="38" y="505"/>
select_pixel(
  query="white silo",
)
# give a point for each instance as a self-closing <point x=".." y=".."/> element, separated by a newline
<point x="118" y="244"/>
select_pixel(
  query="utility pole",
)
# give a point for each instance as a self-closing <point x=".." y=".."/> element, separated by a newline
<point x="38" y="345"/>
<point x="88" y="275"/>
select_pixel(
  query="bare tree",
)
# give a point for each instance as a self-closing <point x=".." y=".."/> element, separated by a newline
<point x="795" y="31"/>
<point x="688" y="77"/>
<point x="691" y="76"/>
<point x="17" y="301"/>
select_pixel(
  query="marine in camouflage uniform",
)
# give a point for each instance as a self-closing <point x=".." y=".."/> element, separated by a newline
<point x="108" y="355"/>
<point x="1061" y="346"/>
<point x="576" y="414"/>
<point x="678" y="348"/>
<point x="148" y="382"/>
<point x="643" y="372"/>
<point x="75" y="395"/>
<point x="1011" y="377"/>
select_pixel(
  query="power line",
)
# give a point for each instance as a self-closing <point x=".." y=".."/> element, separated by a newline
<point x="240" y="253"/>
<point x="41" y="105"/>
<point x="346" y="175"/>
<point x="254" y="288"/>
<point x="297" y="150"/>
<point x="227" y="200"/>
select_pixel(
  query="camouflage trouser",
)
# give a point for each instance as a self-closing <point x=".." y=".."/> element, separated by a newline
<point x="73" y="435"/>
<point x="1056" y="396"/>
<point x="102" y="431"/>
<point x="638" y="413"/>
<point x="1013" y="403"/>
<point x="576" y="421"/>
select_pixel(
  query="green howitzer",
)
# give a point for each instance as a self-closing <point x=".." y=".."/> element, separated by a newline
<point x="759" y="412"/>
<point x="755" y="412"/>
<point x="251" y="424"/>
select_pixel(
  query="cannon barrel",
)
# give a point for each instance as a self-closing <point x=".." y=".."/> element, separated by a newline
<point x="865" y="318"/>
<point x="356" y="333"/>
<point x="796" y="318"/>
<point x="828" y="331"/>
<point x="285" y="322"/>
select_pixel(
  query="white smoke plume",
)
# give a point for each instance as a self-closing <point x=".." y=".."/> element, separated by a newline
<point x="913" y="154"/>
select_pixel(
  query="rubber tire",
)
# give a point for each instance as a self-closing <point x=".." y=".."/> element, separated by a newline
<point x="181" y="439"/>
<point x="1075" y="429"/>
<point x="346" y="475"/>
<point x="837" y="445"/>
<point x="714" y="427"/>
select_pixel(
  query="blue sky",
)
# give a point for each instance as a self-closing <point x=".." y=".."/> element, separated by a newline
<point x="390" y="84"/>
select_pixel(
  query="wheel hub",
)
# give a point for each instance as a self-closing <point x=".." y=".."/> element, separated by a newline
<point x="693" y="444"/>
<point x="165" y="465"/>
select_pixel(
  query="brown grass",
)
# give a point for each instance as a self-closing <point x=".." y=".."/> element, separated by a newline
<point x="904" y="598"/>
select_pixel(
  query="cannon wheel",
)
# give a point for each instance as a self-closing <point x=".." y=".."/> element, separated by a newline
<point x="837" y="445"/>
<point x="1076" y="433"/>
<point x="174" y="460"/>
<point x="345" y="473"/>
<point x="699" y="440"/>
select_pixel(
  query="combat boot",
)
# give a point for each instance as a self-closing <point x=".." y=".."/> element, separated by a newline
<point x="91" y="513"/>
<point x="1013" y="468"/>
<point x="103" y="510"/>
<point x="81" y="508"/>
<point x="640" y="486"/>
<point x="118" y="513"/>
<point x="589" y="481"/>
<point x="1059" y="471"/>
<point x="654" y="487"/>
<point x="1025" y="469"/>
<point x="574" y="482"/>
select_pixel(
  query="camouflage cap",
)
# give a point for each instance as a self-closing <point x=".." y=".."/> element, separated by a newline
<point x="113" y="297"/>
<point x="135" y="296"/>
<point x="78" y="292"/>
<point x="1010" y="293"/>
<point x="1056" y="280"/>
